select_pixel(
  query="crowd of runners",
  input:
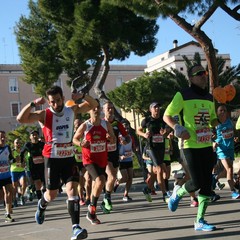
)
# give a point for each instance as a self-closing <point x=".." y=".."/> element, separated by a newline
<point x="93" y="157"/>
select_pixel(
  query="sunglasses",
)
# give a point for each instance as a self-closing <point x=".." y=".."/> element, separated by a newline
<point x="200" y="73"/>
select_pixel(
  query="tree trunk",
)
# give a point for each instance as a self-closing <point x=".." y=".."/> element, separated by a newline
<point x="205" y="42"/>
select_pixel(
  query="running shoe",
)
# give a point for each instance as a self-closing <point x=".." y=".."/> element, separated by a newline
<point x="165" y="197"/>
<point x="235" y="195"/>
<point x="153" y="192"/>
<point x="220" y="186"/>
<point x="102" y="206"/>
<point x="202" y="225"/>
<point x="8" y="218"/>
<point x="127" y="199"/>
<point x="169" y="194"/>
<point x="40" y="214"/>
<point x="194" y="203"/>
<point x="146" y="192"/>
<point x="214" y="181"/>
<point x="107" y="204"/>
<point x="91" y="215"/>
<point x="79" y="233"/>
<point x="215" y="197"/>
<point x="174" y="199"/>
<point x="82" y="202"/>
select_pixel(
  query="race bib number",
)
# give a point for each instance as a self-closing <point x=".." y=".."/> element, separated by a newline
<point x="128" y="154"/>
<point x="78" y="156"/>
<point x="4" y="168"/>
<point x="98" y="147"/>
<point x="64" y="149"/>
<point x="227" y="134"/>
<point x="111" y="147"/>
<point x="157" y="138"/>
<point x="38" y="159"/>
<point x="204" y="135"/>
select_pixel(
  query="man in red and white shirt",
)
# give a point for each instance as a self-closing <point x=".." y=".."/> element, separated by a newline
<point x="92" y="136"/>
<point x="57" y="126"/>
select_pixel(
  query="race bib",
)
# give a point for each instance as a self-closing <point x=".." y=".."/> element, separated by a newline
<point x="227" y="134"/>
<point x="63" y="149"/>
<point x="4" y="168"/>
<point x="78" y="156"/>
<point x="204" y="135"/>
<point x="38" y="159"/>
<point x="98" y="147"/>
<point x="128" y="154"/>
<point x="111" y="147"/>
<point x="157" y="138"/>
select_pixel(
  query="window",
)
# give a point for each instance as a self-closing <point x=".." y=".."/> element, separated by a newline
<point x="13" y="85"/>
<point x="119" y="81"/>
<point x="15" y="108"/>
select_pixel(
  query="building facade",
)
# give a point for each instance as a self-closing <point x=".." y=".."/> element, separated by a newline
<point x="15" y="93"/>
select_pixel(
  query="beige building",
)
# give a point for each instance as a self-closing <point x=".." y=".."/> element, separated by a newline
<point x="15" y="93"/>
<point x="173" y="58"/>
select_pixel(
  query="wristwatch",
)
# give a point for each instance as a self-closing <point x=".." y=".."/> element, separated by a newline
<point x="32" y="104"/>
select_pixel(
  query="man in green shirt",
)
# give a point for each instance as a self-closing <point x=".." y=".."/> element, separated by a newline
<point x="196" y="109"/>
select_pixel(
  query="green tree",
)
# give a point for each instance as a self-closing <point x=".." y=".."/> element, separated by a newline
<point x="38" y="49"/>
<point x="86" y="36"/>
<point x="178" y="11"/>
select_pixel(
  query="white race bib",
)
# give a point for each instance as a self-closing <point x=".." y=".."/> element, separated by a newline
<point x="98" y="147"/>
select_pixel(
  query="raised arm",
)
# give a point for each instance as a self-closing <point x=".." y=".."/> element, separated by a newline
<point x="26" y="116"/>
<point x="85" y="106"/>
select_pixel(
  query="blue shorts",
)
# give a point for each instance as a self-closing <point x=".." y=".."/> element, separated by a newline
<point x="226" y="155"/>
<point x="16" y="176"/>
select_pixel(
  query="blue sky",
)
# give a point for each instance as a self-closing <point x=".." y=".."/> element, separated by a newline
<point x="221" y="28"/>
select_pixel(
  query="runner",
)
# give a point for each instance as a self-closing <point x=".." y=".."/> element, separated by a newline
<point x="224" y="145"/>
<point x="18" y="175"/>
<point x="153" y="129"/>
<point x="57" y="126"/>
<point x="92" y="136"/>
<point x="113" y="155"/>
<point x="36" y="163"/>
<point x="126" y="164"/>
<point x="6" y="158"/>
<point x="196" y="109"/>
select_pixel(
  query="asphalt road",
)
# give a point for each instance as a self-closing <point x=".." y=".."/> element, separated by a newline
<point x="136" y="220"/>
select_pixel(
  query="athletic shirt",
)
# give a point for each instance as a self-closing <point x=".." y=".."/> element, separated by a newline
<point x="5" y="156"/>
<point x="197" y="110"/>
<point x="96" y="152"/>
<point x="34" y="152"/>
<point x="58" y="133"/>
<point x="154" y="125"/>
<point x="16" y="166"/>
<point x="126" y="150"/>
<point x="225" y="136"/>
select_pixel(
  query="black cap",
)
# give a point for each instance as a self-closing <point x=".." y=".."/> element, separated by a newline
<point x="34" y="131"/>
